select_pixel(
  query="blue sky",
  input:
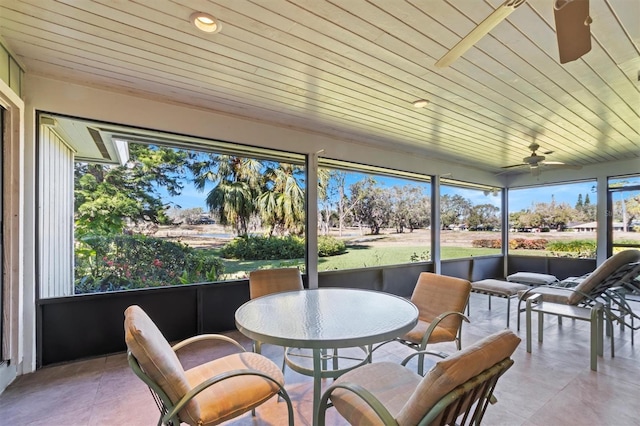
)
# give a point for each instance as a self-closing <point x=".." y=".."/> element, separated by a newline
<point x="518" y="199"/>
<point x="566" y="193"/>
<point x="521" y="199"/>
<point x="189" y="198"/>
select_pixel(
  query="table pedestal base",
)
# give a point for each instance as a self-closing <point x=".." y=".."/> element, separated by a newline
<point x="319" y="369"/>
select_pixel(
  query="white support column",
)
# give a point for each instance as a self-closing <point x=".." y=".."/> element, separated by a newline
<point x="18" y="303"/>
<point x="312" y="220"/>
<point x="505" y="229"/>
<point x="602" y="219"/>
<point x="435" y="224"/>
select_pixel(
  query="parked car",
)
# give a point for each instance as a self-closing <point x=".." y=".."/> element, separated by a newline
<point x="203" y="220"/>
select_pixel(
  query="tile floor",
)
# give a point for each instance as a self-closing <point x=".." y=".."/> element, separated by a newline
<point x="551" y="386"/>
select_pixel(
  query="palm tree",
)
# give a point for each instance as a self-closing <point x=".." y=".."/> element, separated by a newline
<point x="237" y="184"/>
<point x="281" y="205"/>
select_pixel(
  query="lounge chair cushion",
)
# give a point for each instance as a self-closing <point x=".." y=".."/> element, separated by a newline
<point x="550" y="294"/>
<point x="607" y="267"/>
<point x="532" y="278"/>
<point x="498" y="287"/>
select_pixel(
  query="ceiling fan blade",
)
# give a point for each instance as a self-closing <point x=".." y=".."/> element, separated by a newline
<point x="478" y="32"/>
<point x="514" y="166"/>
<point x="560" y="165"/>
<point x="572" y="28"/>
<point x="536" y="163"/>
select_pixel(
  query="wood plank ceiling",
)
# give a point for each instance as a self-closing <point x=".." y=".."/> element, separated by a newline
<point x="352" y="68"/>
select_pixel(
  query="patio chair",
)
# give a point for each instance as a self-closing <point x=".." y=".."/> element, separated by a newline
<point x="588" y="301"/>
<point x="207" y="394"/>
<point x="441" y="301"/>
<point x="456" y="390"/>
<point x="268" y="281"/>
<point x="589" y="289"/>
<point x="620" y="300"/>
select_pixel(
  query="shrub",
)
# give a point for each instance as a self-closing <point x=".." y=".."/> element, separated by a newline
<point x="330" y="246"/>
<point x="528" y="244"/>
<point x="122" y="262"/>
<point x="251" y="247"/>
<point x="484" y="243"/>
<point x="573" y="248"/>
<point x="514" y="244"/>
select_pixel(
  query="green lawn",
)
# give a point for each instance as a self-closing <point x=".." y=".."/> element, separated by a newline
<point x="356" y="257"/>
<point x="388" y="249"/>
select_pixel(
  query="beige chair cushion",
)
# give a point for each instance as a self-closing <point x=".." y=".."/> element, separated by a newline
<point x="390" y="383"/>
<point x="157" y="359"/>
<point x="237" y="395"/>
<point x="268" y="281"/>
<point x="216" y="403"/>
<point x="438" y="334"/>
<point x="406" y="395"/>
<point x="455" y="370"/>
<point x="607" y="267"/>
<point x="435" y="294"/>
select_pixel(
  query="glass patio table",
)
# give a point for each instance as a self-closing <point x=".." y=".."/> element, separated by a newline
<point x="322" y="319"/>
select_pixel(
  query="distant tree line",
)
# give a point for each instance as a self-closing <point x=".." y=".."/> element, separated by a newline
<point x="247" y="194"/>
<point x="554" y="215"/>
<point x="367" y="204"/>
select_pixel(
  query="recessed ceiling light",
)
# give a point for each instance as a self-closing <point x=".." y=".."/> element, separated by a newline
<point x="205" y="22"/>
<point x="420" y="103"/>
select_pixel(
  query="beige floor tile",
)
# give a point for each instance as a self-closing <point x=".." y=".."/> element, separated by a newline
<point x="551" y="386"/>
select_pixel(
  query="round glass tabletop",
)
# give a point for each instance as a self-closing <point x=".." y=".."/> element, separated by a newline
<point x="326" y="318"/>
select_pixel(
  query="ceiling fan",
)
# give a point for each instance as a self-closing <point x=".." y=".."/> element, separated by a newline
<point x="572" y="30"/>
<point x="536" y="162"/>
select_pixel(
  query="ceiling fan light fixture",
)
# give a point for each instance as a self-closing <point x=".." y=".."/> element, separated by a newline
<point x="420" y="103"/>
<point x="534" y="159"/>
<point x="205" y="22"/>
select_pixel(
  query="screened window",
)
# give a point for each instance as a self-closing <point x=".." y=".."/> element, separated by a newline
<point x="624" y="217"/>
<point x="553" y="220"/>
<point x="159" y="210"/>
<point x="174" y="216"/>
<point x="369" y="218"/>
<point x="470" y="220"/>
